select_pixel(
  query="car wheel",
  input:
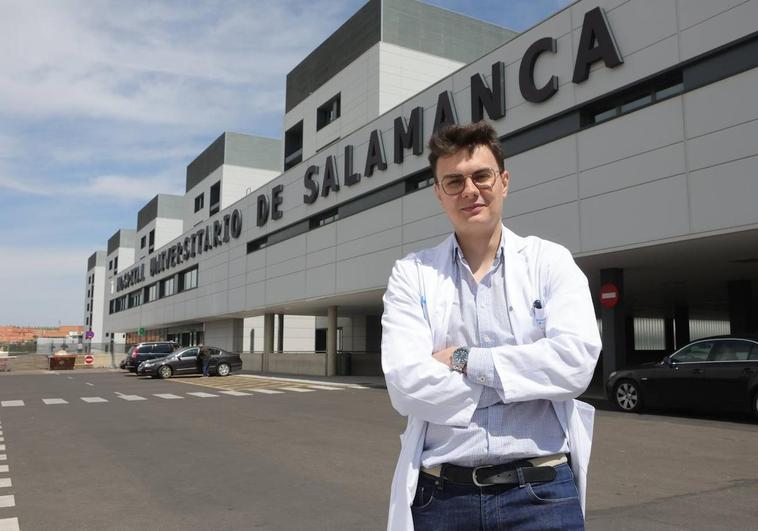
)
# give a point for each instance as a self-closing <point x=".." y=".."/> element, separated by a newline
<point x="627" y="396"/>
<point x="165" y="371"/>
<point x="223" y="369"/>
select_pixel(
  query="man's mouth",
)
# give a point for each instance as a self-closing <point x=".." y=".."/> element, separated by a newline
<point x="473" y="208"/>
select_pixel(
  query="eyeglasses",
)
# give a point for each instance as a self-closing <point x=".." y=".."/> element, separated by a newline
<point x="483" y="179"/>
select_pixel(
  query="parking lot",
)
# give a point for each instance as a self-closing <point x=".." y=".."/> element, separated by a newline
<point x="252" y="453"/>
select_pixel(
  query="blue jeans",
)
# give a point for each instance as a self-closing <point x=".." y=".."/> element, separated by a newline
<point x="529" y="507"/>
<point x="206" y="364"/>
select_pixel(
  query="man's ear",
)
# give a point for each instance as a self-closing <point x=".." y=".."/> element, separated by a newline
<point x="506" y="178"/>
<point x="437" y="190"/>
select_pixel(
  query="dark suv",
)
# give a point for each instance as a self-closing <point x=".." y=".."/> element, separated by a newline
<point x="148" y="351"/>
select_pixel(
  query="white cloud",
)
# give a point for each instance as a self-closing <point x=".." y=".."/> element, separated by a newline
<point x="42" y="285"/>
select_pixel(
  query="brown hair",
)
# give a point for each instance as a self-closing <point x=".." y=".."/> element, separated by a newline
<point x="451" y="139"/>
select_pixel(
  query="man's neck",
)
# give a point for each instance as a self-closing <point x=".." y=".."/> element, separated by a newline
<point x="480" y="250"/>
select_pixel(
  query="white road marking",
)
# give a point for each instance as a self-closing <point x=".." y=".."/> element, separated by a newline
<point x="303" y="381"/>
<point x="70" y="377"/>
<point x="9" y="524"/>
<point x="132" y="398"/>
<point x="3" y="468"/>
<point x="168" y="396"/>
<point x="3" y="457"/>
<point x="2" y="448"/>
<point x="7" y="501"/>
<point x="267" y="391"/>
<point x="11" y="403"/>
<point x="235" y="393"/>
<point x="93" y="399"/>
<point x="200" y="394"/>
<point x="2" y="439"/>
<point x="93" y="385"/>
<point x="5" y="483"/>
<point x="54" y="401"/>
<point x="298" y="389"/>
<point x="326" y="388"/>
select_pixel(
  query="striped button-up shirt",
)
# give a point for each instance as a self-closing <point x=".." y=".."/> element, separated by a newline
<point x="498" y="432"/>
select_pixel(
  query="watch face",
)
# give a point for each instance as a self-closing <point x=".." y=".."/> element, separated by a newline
<point x="460" y="357"/>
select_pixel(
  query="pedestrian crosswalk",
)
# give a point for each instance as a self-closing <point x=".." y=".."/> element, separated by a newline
<point x="267" y="387"/>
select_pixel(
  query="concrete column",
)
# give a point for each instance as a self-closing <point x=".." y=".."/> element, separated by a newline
<point x="614" y="325"/>
<point x="238" y="334"/>
<point x="268" y="340"/>
<point x="280" y="334"/>
<point x="668" y="332"/>
<point x="740" y="294"/>
<point x="331" y="341"/>
<point x="681" y="325"/>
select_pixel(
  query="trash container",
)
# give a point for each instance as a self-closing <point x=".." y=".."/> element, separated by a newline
<point x="344" y="364"/>
<point x="64" y="362"/>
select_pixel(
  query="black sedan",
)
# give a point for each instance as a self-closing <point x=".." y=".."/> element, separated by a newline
<point x="714" y="373"/>
<point x="185" y="361"/>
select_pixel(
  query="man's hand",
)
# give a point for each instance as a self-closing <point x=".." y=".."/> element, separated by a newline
<point x="445" y="356"/>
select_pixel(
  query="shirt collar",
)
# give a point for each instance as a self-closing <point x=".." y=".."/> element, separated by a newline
<point x="458" y="253"/>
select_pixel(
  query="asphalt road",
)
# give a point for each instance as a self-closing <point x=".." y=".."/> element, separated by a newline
<point x="320" y="459"/>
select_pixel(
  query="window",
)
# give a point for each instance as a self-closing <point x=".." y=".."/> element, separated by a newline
<point x="163" y="348"/>
<point x="151" y="292"/>
<point x="115" y="265"/>
<point x="143" y="242"/>
<point x="189" y="353"/>
<point x="215" y="198"/>
<point x="135" y="299"/>
<point x="694" y="353"/>
<point x="328" y="112"/>
<point x="151" y="241"/>
<point x="110" y="265"/>
<point x="293" y="145"/>
<point x="730" y="350"/>
<point x="188" y="279"/>
<point x="199" y="202"/>
<point x="168" y="287"/>
<point x="653" y="91"/>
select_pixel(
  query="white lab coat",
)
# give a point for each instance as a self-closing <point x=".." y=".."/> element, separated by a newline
<point x="552" y="361"/>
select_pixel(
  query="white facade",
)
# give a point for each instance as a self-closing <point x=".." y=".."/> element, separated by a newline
<point x="381" y="78"/>
<point x="663" y="191"/>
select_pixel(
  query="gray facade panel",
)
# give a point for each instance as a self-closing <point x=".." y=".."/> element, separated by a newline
<point x="731" y="62"/>
<point x="147" y="213"/>
<point x="97" y="259"/>
<point x="253" y="151"/>
<point x="237" y="149"/>
<point x="122" y="238"/>
<point x="354" y="37"/>
<point x="440" y="32"/>
<point x="210" y="159"/>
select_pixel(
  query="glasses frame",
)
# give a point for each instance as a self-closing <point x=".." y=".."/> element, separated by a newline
<point x="496" y="172"/>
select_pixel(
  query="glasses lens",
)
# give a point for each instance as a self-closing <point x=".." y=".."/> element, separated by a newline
<point x="482" y="179"/>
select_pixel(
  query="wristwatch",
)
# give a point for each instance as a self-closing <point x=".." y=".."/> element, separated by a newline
<point x="460" y="359"/>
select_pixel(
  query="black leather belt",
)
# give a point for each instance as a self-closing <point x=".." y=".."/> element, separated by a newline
<point x="510" y="474"/>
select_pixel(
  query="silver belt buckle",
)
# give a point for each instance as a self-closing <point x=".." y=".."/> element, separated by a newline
<point x="476" y="481"/>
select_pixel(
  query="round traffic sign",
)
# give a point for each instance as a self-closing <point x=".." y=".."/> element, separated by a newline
<point x="89" y="334"/>
<point x="609" y="295"/>
<point x="89" y="359"/>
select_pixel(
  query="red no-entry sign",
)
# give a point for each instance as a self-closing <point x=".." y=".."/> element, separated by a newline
<point x="89" y="359"/>
<point x="609" y="295"/>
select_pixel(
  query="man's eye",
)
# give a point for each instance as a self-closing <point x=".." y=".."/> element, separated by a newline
<point x="454" y="180"/>
<point x="481" y="176"/>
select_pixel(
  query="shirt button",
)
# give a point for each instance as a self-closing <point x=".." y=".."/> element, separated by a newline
<point x="487" y="338"/>
<point x="510" y="308"/>
<point x="481" y="378"/>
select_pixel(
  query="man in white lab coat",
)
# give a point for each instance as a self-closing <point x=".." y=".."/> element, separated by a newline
<point x="487" y="339"/>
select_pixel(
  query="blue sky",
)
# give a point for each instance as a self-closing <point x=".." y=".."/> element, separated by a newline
<point x="104" y="103"/>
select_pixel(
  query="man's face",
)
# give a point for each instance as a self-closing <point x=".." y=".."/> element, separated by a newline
<point x="473" y="211"/>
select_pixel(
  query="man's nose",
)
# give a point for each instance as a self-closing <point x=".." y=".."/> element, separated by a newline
<point x="469" y="188"/>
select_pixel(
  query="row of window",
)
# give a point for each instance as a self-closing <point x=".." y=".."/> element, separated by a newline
<point x="293" y="137"/>
<point x="215" y="205"/>
<point x="181" y="281"/>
